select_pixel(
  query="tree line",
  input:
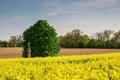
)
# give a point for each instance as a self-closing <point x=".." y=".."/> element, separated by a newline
<point x="76" y="39"/>
<point x="104" y="39"/>
<point x="14" y="41"/>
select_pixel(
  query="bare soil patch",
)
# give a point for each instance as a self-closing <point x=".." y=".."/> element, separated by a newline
<point x="10" y="52"/>
<point x="17" y="52"/>
<point x="76" y="51"/>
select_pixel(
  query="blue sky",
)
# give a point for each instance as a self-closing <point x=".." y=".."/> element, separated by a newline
<point x="90" y="16"/>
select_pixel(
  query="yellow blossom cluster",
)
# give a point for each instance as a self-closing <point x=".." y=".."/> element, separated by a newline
<point x="79" y="67"/>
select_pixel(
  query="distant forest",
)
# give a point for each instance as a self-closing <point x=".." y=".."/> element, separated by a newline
<point x="76" y="39"/>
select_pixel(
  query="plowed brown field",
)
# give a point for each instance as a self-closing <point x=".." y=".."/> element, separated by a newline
<point x="17" y="52"/>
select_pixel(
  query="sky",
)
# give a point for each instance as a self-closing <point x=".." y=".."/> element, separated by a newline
<point x="90" y="16"/>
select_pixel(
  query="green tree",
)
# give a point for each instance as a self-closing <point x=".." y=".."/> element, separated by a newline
<point x="43" y="40"/>
<point x="91" y="43"/>
<point x="13" y="41"/>
<point x="107" y="36"/>
<point x="16" y="41"/>
<point x="3" y="44"/>
<point x="19" y="41"/>
<point x="61" y="41"/>
<point x="116" y="39"/>
<point x="83" y="41"/>
<point x="71" y="39"/>
<point x="103" y="39"/>
<point x="76" y="34"/>
<point x="100" y="40"/>
<point x="68" y="40"/>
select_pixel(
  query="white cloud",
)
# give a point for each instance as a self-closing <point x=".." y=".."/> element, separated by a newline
<point x="82" y="6"/>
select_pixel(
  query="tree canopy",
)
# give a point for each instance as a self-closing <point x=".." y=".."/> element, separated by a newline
<point x="43" y="40"/>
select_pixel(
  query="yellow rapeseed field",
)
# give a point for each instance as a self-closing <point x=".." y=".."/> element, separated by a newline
<point x="81" y="67"/>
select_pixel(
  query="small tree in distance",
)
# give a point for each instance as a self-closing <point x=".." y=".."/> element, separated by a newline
<point x="42" y="38"/>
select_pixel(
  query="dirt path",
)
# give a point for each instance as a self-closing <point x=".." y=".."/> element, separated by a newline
<point x="17" y="52"/>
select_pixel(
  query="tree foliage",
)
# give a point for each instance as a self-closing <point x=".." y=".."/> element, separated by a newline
<point x="16" y="41"/>
<point x="83" y="41"/>
<point x="3" y="44"/>
<point x="104" y="39"/>
<point x="71" y="39"/>
<point x="43" y="39"/>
